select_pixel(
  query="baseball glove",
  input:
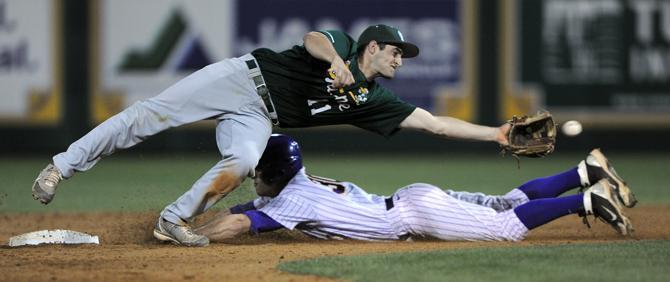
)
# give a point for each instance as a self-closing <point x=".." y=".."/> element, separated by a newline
<point x="531" y="136"/>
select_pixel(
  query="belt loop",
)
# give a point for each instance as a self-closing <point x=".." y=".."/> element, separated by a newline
<point x="389" y="202"/>
<point x="261" y="88"/>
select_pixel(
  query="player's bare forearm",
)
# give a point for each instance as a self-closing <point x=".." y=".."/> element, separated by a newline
<point x="320" y="47"/>
<point x="217" y="216"/>
<point x="225" y="227"/>
<point x="450" y="127"/>
<point x="455" y="128"/>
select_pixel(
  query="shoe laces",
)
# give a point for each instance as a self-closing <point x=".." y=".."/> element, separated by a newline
<point x="53" y="176"/>
<point x="188" y="231"/>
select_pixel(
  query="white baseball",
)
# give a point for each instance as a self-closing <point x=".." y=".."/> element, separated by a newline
<point x="572" y="128"/>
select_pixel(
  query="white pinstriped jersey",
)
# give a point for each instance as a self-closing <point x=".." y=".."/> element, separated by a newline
<point x="327" y="209"/>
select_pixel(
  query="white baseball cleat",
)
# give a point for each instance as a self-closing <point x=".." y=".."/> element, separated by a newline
<point x="178" y="234"/>
<point x="600" y="201"/>
<point x="598" y="167"/>
<point x="44" y="188"/>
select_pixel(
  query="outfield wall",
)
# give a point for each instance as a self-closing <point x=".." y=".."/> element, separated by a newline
<point x="67" y="65"/>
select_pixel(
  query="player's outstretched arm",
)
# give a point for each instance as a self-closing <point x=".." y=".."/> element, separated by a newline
<point x="225" y="227"/>
<point x="450" y="127"/>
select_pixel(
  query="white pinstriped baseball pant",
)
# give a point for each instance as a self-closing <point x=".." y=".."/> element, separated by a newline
<point x="427" y="211"/>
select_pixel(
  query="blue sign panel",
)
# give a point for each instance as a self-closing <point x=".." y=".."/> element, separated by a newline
<point x="434" y="25"/>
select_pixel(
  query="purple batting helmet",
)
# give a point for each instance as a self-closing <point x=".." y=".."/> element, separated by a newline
<point x="281" y="159"/>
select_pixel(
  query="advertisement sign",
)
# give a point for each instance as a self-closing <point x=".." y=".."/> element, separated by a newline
<point x="144" y="47"/>
<point x="30" y="72"/>
<point x="140" y="48"/>
<point x="435" y="26"/>
<point x="604" y="62"/>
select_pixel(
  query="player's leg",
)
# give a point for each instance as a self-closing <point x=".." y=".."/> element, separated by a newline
<point x="539" y="188"/>
<point x="210" y="92"/>
<point x="600" y="200"/>
<point x="499" y="203"/>
<point x="551" y="186"/>
<point x="540" y="211"/>
<point x="123" y="130"/>
<point x="430" y="211"/>
<point x="241" y="139"/>
<point x="544" y="187"/>
<point x="588" y="172"/>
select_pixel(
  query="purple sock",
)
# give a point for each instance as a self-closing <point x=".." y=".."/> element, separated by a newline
<point x="551" y="186"/>
<point x="540" y="211"/>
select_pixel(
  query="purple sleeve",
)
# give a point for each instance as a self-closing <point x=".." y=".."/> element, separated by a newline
<point x="261" y="222"/>
<point x="242" y="208"/>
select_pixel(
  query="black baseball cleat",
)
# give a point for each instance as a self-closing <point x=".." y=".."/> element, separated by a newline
<point x="601" y="202"/>
<point x="597" y="167"/>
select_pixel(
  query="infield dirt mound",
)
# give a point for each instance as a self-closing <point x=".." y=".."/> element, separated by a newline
<point x="129" y="252"/>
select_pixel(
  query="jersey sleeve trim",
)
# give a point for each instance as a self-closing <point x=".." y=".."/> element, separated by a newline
<point x="261" y="222"/>
<point x="388" y="113"/>
<point x="243" y="207"/>
<point x="332" y="40"/>
<point x="343" y="43"/>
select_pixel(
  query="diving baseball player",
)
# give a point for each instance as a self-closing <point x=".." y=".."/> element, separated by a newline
<point x="329" y="209"/>
<point x="330" y="79"/>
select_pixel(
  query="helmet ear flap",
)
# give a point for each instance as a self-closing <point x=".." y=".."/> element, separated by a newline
<point x="279" y="177"/>
<point x="281" y="160"/>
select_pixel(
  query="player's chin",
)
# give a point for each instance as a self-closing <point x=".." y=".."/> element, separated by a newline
<point x="388" y="74"/>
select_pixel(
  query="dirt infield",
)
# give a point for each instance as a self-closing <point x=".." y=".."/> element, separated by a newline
<point x="128" y="251"/>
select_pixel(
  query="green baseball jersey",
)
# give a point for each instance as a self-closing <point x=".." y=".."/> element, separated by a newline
<point x="302" y="91"/>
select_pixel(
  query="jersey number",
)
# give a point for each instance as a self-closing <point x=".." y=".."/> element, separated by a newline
<point x="318" y="106"/>
<point x="337" y="186"/>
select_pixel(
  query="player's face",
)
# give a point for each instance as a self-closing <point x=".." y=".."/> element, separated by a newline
<point x="263" y="189"/>
<point x="387" y="61"/>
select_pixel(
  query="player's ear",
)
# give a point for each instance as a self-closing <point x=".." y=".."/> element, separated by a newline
<point x="374" y="47"/>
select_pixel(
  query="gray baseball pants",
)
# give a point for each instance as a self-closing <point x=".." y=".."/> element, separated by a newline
<point x="221" y="91"/>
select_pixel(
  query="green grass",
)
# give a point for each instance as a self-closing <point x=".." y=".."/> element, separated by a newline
<point x="120" y="183"/>
<point x="630" y="261"/>
<point x="132" y="182"/>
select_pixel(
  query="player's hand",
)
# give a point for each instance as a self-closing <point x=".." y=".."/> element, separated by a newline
<point x="503" y="132"/>
<point x="340" y="73"/>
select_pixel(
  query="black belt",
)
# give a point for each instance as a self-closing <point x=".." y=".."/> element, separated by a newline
<point x="389" y="203"/>
<point x="262" y="89"/>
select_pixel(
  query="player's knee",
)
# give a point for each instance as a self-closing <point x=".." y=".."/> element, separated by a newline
<point x="227" y="178"/>
<point x="509" y="227"/>
<point x="242" y="165"/>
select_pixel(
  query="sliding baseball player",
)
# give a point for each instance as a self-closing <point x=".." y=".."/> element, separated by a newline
<point x="329" y="209"/>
